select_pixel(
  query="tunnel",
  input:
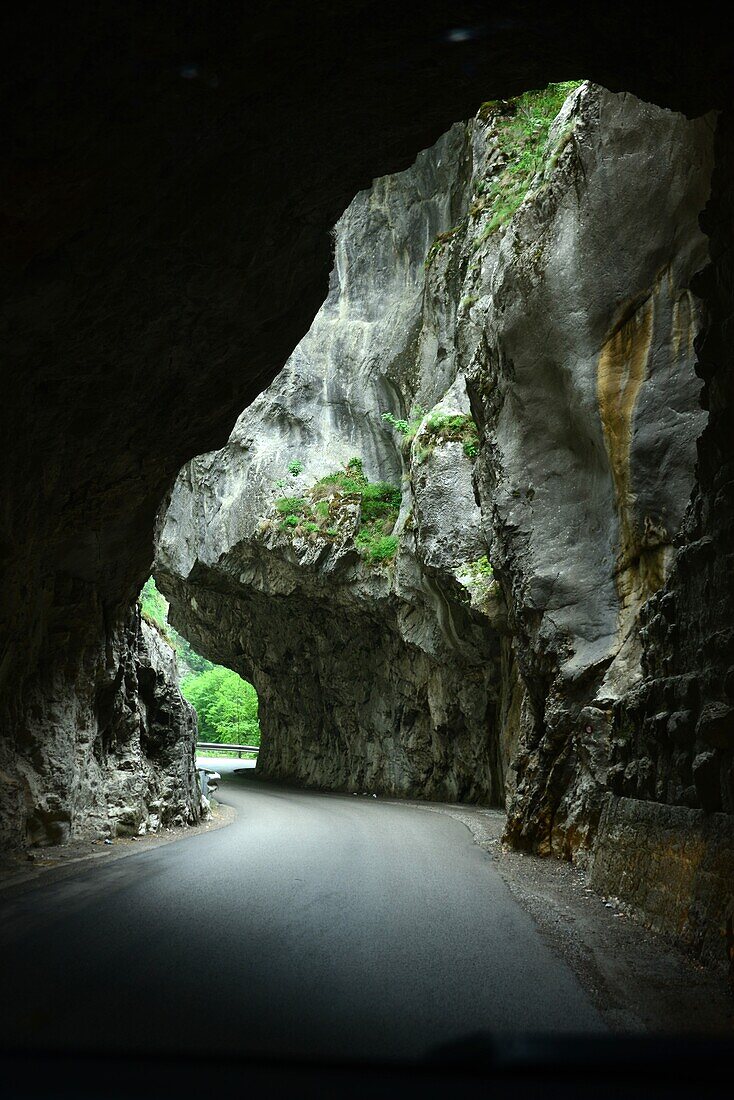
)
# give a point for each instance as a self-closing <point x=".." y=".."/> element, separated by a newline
<point x="396" y="347"/>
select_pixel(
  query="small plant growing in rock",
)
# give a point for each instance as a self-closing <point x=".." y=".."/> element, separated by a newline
<point x="295" y="467"/>
<point x="399" y="425"/>
<point x="355" y="469"/>
<point x="439" y="243"/>
<point x="408" y="429"/>
<point x="290" y="521"/>
<point x="483" y="566"/>
<point x="479" y="574"/>
<point x="446" y="427"/>
<point x="291" y="504"/>
<point x="376" y="548"/>
<point x="379" y="507"/>
<point x="351" y="479"/>
<point x="449" y="428"/>
<point x="379" y="498"/>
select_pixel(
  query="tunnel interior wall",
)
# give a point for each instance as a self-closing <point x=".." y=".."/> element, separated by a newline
<point x="665" y="836"/>
<point x="118" y="755"/>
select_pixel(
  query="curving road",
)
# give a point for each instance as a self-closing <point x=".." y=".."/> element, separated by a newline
<point x="316" y="925"/>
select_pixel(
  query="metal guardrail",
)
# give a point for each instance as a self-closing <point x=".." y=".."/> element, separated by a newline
<point x="239" y="749"/>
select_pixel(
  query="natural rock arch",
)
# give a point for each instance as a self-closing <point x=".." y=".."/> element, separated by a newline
<point x="171" y="184"/>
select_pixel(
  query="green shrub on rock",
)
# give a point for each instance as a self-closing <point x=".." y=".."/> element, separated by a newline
<point x="289" y="521"/>
<point x="295" y="505"/>
<point x="407" y="428"/>
<point x="438" y="427"/>
<point x="314" y="513"/>
<point x="377" y="548"/>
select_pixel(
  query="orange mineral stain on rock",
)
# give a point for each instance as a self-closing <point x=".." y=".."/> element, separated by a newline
<point x="620" y="374"/>
<point x="622" y="369"/>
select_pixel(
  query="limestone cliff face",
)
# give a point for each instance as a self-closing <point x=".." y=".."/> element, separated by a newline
<point x="573" y="323"/>
<point x="385" y="673"/>
<point x="116" y="758"/>
<point x="586" y="675"/>
<point x="585" y="388"/>
<point x="666" y="836"/>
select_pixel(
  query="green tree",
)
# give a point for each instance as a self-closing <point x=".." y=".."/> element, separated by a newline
<point x="226" y="706"/>
<point x="153" y="605"/>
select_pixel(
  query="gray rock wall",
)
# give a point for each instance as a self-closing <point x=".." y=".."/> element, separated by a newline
<point x="672" y="756"/>
<point x="605" y="479"/>
<point x="674" y="865"/>
<point x="575" y="325"/>
<point x="110" y="753"/>
<point x="391" y="676"/>
<point x="586" y="391"/>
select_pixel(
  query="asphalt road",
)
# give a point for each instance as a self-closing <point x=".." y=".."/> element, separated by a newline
<point x="315" y="925"/>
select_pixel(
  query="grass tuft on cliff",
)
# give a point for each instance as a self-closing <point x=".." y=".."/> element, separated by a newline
<point x="454" y="428"/>
<point x="438" y="428"/>
<point x="316" y="514"/>
<point x="520" y="128"/>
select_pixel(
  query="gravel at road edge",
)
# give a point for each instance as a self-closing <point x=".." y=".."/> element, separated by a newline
<point x="638" y="980"/>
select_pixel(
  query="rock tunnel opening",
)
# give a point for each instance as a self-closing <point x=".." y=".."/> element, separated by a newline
<point x="466" y="518"/>
<point x="226" y="705"/>
<point x="429" y="541"/>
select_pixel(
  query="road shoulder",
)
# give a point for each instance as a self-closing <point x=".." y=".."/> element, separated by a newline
<point x="638" y="980"/>
<point x="31" y="865"/>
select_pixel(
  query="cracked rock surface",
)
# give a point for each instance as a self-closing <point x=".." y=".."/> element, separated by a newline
<point x="119" y="756"/>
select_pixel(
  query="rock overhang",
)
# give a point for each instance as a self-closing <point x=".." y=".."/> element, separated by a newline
<point x="105" y="219"/>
